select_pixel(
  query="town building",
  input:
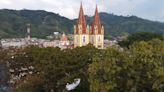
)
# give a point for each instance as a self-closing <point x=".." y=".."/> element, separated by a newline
<point x="63" y="43"/>
<point x="83" y="34"/>
<point x="64" y="40"/>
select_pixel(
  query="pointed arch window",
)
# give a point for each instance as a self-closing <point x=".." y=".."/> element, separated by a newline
<point x="92" y="39"/>
<point x="83" y="39"/>
<point x="99" y="39"/>
<point x="77" y="40"/>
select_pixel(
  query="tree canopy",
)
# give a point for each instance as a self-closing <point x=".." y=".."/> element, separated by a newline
<point x="140" y="36"/>
<point x="139" y="68"/>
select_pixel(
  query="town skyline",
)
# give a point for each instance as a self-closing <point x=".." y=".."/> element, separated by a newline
<point x="147" y="9"/>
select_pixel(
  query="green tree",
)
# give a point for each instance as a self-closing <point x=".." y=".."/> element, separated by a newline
<point x="32" y="84"/>
<point x="60" y="67"/>
<point x="105" y="73"/>
<point x="140" y="36"/>
<point x="137" y="69"/>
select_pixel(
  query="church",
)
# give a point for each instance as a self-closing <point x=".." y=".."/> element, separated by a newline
<point x="85" y="34"/>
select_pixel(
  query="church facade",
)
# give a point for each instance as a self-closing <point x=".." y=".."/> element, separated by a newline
<point x="85" y="34"/>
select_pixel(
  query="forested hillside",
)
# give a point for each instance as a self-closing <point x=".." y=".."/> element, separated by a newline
<point x="43" y="23"/>
<point x="13" y="23"/>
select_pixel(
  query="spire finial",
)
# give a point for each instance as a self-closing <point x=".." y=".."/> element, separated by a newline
<point x="81" y="1"/>
<point x="96" y="9"/>
<point x="81" y="4"/>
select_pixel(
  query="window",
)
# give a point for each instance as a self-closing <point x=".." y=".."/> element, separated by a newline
<point x="76" y="39"/>
<point x="99" y="46"/>
<point x="83" y="39"/>
<point x="92" y="39"/>
<point x="99" y="39"/>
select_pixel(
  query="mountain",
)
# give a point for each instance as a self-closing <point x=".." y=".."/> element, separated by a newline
<point x="115" y="25"/>
<point x="13" y="23"/>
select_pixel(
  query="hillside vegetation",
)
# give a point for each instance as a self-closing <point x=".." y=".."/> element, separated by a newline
<point x="43" y="23"/>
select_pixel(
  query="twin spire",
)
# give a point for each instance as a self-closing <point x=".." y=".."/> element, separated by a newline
<point x="96" y="22"/>
<point x="83" y="34"/>
<point x="81" y="20"/>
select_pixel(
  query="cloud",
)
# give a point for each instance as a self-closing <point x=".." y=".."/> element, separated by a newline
<point x="5" y="2"/>
<point x="149" y="9"/>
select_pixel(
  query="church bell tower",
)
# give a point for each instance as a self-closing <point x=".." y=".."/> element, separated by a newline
<point x="97" y="31"/>
<point x="84" y="34"/>
<point x="81" y="30"/>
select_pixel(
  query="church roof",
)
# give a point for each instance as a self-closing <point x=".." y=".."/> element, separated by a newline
<point x="81" y="21"/>
<point x="96" y="22"/>
<point x="63" y="37"/>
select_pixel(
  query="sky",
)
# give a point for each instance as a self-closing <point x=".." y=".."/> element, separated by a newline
<point x="147" y="9"/>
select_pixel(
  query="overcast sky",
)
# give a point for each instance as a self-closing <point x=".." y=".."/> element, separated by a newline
<point x="148" y="9"/>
